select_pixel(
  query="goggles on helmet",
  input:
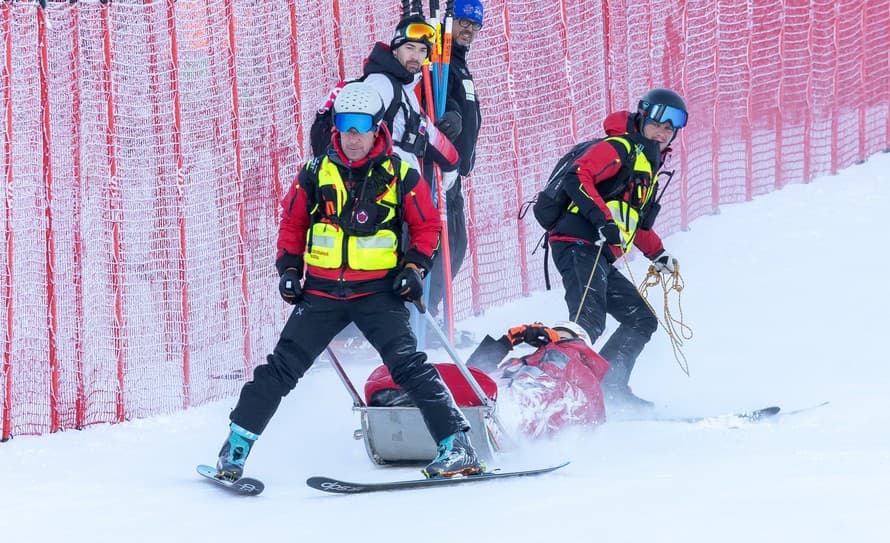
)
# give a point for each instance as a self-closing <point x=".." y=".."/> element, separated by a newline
<point x="662" y="113"/>
<point x="420" y="32"/>
<point x="361" y="122"/>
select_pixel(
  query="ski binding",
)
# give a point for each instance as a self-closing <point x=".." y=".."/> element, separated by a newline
<point x="247" y="486"/>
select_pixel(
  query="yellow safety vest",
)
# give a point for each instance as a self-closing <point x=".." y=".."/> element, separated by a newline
<point x="328" y="243"/>
<point x="626" y="212"/>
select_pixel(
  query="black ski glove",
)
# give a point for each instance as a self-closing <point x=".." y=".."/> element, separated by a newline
<point x="536" y="335"/>
<point x="408" y="284"/>
<point x="451" y="124"/>
<point x="290" y="268"/>
<point x="611" y="233"/>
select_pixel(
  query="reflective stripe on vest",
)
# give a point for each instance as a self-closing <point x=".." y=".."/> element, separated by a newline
<point x="624" y="215"/>
<point x="329" y="246"/>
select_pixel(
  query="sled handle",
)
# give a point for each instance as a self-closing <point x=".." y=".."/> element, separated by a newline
<point x="341" y="373"/>
<point x="474" y="384"/>
<point x="483" y="397"/>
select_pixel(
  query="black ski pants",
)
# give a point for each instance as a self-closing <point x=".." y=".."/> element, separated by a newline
<point x="383" y="319"/>
<point x="609" y="292"/>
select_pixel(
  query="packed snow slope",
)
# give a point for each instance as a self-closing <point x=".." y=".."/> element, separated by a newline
<point x="787" y="299"/>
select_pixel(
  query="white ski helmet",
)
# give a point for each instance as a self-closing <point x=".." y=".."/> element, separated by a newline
<point x="572" y="328"/>
<point x="359" y="97"/>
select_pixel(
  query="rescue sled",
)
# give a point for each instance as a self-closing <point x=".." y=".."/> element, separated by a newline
<point x="393" y="429"/>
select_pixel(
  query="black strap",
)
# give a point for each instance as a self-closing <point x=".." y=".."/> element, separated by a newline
<point x="546" y="244"/>
<point x="619" y="181"/>
<point x="397" y="93"/>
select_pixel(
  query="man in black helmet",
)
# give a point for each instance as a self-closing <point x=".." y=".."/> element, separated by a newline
<point x="613" y="188"/>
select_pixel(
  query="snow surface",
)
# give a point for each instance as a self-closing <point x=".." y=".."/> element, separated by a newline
<point x="788" y="300"/>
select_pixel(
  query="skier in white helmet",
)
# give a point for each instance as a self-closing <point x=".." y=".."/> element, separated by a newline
<point x="342" y="221"/>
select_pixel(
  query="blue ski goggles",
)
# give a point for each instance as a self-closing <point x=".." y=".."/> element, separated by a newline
<point x="361" y="122"/>
<point x="662" y="113"/>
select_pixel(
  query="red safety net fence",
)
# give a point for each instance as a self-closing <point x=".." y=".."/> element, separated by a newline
<point x="146" y="145"/>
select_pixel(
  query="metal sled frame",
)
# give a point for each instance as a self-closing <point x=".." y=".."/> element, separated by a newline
<point x="399" y="434"/>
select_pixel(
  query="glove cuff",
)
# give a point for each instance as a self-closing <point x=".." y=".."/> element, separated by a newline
<point x="287" y="262"/>
<point x="423" y="262"/>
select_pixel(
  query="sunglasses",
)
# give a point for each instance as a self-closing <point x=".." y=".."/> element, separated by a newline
<point x="420" y="31"/>
<point x="662" y="113"/>
<point x="360" y="122"/>
<point x="469" y="23"/>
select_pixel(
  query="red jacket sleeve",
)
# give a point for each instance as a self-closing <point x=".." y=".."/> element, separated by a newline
<point x="422" y="219"/>
<point x="599" y="163"/>
<point x="648" y="242"/>
<point x="294" y="218"/>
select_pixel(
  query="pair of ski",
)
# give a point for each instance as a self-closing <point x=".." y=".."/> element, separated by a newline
<point x="252" y="487"/>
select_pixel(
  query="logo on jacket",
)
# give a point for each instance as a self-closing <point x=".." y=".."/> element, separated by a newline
<point x="361" y="217"/>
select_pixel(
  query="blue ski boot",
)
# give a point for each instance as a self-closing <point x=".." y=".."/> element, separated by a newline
<point x="456" y="457"/>
<point x="230" y="465"/>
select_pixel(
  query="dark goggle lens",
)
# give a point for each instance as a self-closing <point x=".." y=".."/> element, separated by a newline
<point x="361" y="122"/>
<point x="420" y="31"/>
<point x="662" y="113"/>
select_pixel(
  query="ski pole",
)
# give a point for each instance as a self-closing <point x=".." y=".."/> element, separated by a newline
<point x="474" y="384"/>
<point x="341" y="373"/>
<point x="445" y="250"/>
<point x="600" y="242"/>
<point x="436" y="52"/>
<point x="446" y="56"/>
<point x="440" y="95"/>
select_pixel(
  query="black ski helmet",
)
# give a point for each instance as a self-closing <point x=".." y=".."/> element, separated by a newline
<point x="662" y="105"/>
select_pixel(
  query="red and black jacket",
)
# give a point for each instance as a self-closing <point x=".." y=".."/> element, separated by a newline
<point x="598" y="172"/>
<point x="416" y="211"/>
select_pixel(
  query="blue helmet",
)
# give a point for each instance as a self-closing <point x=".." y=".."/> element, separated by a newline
<point x="469" y="9"/>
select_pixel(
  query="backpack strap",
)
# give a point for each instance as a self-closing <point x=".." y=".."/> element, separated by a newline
<point x="627" y="153"/>
<point x="395" y="105"/>
<point x="545" y="243"/>
<point x="398" y="92"/>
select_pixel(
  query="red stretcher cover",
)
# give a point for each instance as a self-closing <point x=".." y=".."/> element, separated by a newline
<point x="382" y="391"/>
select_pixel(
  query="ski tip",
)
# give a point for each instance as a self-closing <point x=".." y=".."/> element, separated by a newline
<point x="327" y="484"/>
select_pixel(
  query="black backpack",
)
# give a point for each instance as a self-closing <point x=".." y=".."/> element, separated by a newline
<point x="320" y="132"/>
<point x="552" y="203"/>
